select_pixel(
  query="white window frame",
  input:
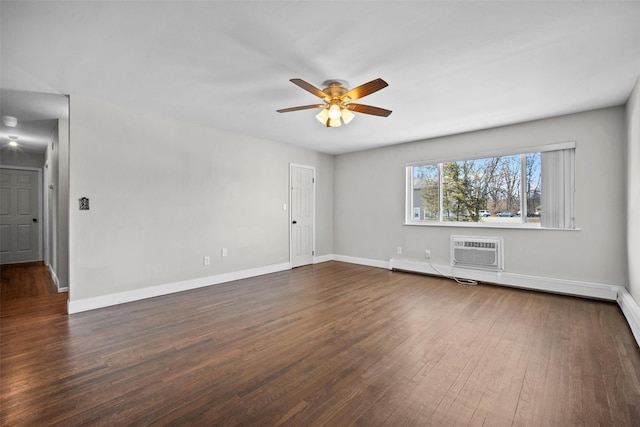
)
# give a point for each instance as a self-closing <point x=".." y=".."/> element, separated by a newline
<point x="568" y="185"/>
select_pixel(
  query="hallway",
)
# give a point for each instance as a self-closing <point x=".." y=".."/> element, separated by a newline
<point x="26" y="290"/>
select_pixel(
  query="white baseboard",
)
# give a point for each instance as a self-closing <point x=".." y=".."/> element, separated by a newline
<point x="322" y="258"/>
<point x="546" y="284"/>
<point x="361" y="261"/>
<point x="631" y="310"/>
<point x="54" y="276"/>
<point x="56" y="281"/>
<point x="86" y="304"/>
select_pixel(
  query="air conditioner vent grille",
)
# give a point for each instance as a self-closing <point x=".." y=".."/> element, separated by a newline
<point x="476" y="244"/>
<point x="477" y="252"/>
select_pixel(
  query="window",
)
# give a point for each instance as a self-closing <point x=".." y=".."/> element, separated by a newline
<point x="529" y="189"/>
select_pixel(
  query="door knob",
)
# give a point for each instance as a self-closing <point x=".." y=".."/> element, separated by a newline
<point x="294" y="222"/>
<point x="35" y="219"/>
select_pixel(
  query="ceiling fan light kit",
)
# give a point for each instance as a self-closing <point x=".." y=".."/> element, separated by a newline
<point x="337" y="108"/>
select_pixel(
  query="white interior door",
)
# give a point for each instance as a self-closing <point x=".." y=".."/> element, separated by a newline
<point x="302" y="215"/>
<point x="19" y="222"/>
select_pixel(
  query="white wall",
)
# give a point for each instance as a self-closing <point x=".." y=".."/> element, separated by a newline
<point x="370" y="200"/>
<point x="57" y="188"/>
<point x="51" y="189"/>
<point x="164" y="193"/>
<point x="633" y="191"/>
<point x="62" y="220"/>
<point x="16" y="157"/>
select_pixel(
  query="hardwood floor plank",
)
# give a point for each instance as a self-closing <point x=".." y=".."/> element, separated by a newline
<point x="26" y="280"/>
<point x="328" y="344"/>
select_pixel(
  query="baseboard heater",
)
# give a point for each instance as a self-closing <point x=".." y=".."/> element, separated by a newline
<point x="484" y="253"/>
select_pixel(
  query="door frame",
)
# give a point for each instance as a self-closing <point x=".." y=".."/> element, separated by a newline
<point x="313" y="207"/>
<point x="41" y="219"/>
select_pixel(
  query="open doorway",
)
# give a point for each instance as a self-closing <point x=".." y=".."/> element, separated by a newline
<point x="34" y="145"/>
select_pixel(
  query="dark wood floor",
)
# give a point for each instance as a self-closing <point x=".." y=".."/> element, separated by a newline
<point x="331" y="344"/>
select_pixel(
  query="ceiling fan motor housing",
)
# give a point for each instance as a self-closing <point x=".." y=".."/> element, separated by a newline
<point x="335" y="88"/>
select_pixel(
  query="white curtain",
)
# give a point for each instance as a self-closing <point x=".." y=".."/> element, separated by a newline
<point x="558" y="187"/>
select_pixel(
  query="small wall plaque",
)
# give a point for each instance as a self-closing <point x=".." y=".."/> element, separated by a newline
<point x="84" y="204"/>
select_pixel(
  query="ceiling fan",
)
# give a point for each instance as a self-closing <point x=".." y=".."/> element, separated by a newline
<point x="337" y="107"/>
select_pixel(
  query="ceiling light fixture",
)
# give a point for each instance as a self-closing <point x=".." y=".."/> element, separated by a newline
<point x="347" y="115"/>
<point x="331" y="115"/>
<point x="10" y="121"/>
<point x="13" y="141"/>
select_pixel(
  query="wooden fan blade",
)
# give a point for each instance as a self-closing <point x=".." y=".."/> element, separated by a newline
<point x="302" y="107"/>
<point x="365" y="89"/>
<point x="309" y="88"/>
<point x="368" y="109"/>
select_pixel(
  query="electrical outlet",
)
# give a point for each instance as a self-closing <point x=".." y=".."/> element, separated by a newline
<point x="399" y="250"/>
<point x="225" y="252"/>
<point x="427" y="254"/>
<point x="206" y="260"/>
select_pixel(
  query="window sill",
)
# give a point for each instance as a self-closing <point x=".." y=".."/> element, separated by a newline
<point x="530" y="226"/>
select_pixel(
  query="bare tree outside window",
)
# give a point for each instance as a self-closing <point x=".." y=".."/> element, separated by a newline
<point x="478" y="190"/>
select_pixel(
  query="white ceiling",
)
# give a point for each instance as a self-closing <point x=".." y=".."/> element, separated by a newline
<point x="37" y="115"/>
<point x="451" y="66"/>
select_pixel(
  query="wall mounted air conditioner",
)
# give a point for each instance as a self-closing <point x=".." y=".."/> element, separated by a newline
<point x="477" y="252"/>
